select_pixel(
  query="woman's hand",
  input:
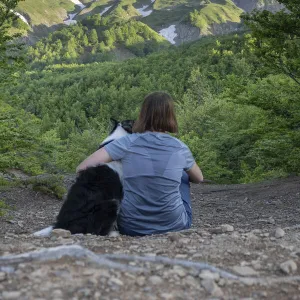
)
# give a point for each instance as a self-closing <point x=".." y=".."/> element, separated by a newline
<point x="99" y="157"/>
<point x="195" y="174"/>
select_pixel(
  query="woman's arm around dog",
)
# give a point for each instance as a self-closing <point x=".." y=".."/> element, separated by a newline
<point x="99" y="157"/>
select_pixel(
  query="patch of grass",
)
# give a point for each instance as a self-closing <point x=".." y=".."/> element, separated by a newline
<point x="45" y="11"/>
<point x="162" y="18"/>
<point x="94" y="8"/>
<point x="6" y="184"/>
<point x="3" y="208"/>
<point x="215" y="13"/>
<point x="48" y="184"/>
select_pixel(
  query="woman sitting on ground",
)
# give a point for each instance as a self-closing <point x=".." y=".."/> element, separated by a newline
<point x="157" y="169"/>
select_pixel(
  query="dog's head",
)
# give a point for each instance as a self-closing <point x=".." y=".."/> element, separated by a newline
<point x="119" y="129"/>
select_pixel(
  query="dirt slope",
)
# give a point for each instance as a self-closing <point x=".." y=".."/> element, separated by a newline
<point x="251" y="250"/>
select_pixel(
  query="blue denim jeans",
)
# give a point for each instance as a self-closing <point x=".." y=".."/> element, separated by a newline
<point x="184" y="189"/>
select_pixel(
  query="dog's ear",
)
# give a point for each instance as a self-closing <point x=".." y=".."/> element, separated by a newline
<point x="128" y="125"/>
<point x="114" y="121"/>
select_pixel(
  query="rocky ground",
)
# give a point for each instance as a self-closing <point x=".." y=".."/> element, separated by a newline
<point x="252" y="232"/>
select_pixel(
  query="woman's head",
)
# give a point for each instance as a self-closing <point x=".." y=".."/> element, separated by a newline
<point x="157" y="114"/>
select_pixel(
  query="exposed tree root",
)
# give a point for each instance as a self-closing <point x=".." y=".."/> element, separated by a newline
<point x="204" y="266"/>
<point x="105" y="260"/>
<point x="73" y="251"/>
<point x="174" y="262"/>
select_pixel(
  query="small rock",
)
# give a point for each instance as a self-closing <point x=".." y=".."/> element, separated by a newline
<point x="155" y="280"/>
<point x="60" y="233"/>
<point x="11" y="295"/>
<point x="244" y="270"/>
<point x="222" y="282"/>
<point x="206" y="274"/>
<point x="84" y="293"/>
<point x="288" y="267"/>
<point x="88" y="272"/>
<point x="114" y="234"/>
<point x="65" y="241"/>
<point x="279" y="233"/>
<point x="256" y="265"/>
<point x="212" y="288"/>
<point x="2" y="276"/>
<point x="190" y="281"/>
<point x="181" y="272"/>
<point x="141" y="281"/>
<point x="116" y="281"/>
<point x="248" y="281"/>
<point x="57" y="294"/>
<point x="271" y="220"/>
<point x="167" y="296"/>
<point x="174" y="237"/>
<point x="40" y="273"/>
<point x="181" y="256"/>
<point x="184" y="241"/>
<point x="227" y="228"/>
<point x="222" y="229"/>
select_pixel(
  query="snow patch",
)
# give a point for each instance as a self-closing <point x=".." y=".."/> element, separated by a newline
<point x="77" y="2"/>
<point x="21" y="17"/>
<point x="71" y="20"/>
<point x="169" y="33"/>
<point x="105" y="10"/>
<point x="144" y="10"/>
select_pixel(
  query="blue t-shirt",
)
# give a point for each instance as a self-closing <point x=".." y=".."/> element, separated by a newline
<point x="152" y="168"/>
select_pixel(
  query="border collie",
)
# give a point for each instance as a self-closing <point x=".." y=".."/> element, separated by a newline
<point x="93" y="201"/>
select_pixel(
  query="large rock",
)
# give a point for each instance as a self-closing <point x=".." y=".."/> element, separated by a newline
<point x="244" y="271"/>
<point x="288" y="267"/>
<point x="279" y="233"/>
<point x="212" y="288"/>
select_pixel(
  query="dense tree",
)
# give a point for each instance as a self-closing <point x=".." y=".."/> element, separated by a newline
<point x="242" y="125"/>
<point x="87" y="42"/>
<point x="10" y="58"/>
<point x="275" y="37"/>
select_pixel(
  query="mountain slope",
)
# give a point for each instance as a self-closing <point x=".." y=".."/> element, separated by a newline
<point x="176" y="20"/>
<point x="45" y="12"/>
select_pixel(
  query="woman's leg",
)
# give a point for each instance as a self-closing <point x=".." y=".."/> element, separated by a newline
<point x="184" y="189"/>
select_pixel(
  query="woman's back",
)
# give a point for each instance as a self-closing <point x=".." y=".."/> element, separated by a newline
<point x="157" y="191"/>
<point x="153" y="163"/>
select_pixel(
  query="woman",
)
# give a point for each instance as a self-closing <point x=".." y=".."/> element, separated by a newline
<point x="157" y="169"/>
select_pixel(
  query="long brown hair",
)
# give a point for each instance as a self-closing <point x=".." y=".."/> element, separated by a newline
<point x="157" y="114"/>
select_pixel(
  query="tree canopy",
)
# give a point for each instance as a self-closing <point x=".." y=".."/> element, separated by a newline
<point x="276" y="37"/>
<point x="10" y="58"/>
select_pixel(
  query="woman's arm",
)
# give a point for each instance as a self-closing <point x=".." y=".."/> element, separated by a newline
<point x="195" y="174"/>
<point x="99" y="157"/>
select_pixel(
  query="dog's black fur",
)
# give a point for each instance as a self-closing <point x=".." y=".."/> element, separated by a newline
<point x="93" y="201"/>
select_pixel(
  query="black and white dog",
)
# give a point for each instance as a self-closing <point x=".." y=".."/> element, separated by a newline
<point x="93" y="201"/>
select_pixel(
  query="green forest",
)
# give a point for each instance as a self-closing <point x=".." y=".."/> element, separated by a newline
<point x="237" y="96"/>
<point x="94" y="39"/>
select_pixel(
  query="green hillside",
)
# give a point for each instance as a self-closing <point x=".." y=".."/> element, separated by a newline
<point x="45" y="12"/>
<point x="96" y="39"/>
<point x="232" y="112"/>
<point x="215" y="13"/>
